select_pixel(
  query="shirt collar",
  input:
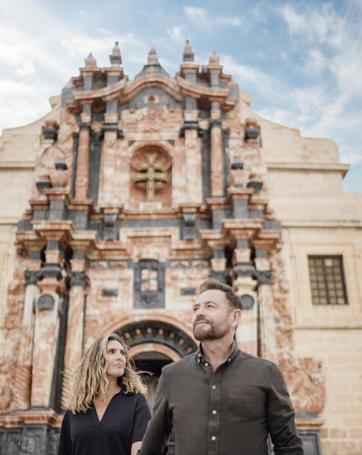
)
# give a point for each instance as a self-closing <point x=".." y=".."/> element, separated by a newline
<point x="233" y="353"/>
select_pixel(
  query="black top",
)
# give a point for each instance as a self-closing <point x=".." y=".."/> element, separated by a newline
<point x="227" y="412"/>
<point x="123" y="423"/>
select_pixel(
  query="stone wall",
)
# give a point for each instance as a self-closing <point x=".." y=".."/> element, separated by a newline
<point x="305" y="180"/>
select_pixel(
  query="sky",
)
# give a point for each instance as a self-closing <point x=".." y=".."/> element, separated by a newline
<point x="301" y="61"/>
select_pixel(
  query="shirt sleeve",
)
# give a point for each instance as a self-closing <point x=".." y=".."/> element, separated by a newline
<point x="159" y="427"/>
<point x="65" y="442"/>
<point x="141" y="418"/>
<point x="281" y="417"/>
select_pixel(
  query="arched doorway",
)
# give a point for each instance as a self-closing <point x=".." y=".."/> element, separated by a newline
<point x="154" y="344"/>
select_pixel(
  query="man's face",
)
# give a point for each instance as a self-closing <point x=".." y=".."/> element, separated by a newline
<point x="213" y="317"/>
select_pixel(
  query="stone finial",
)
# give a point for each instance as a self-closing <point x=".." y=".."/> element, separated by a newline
<point x="252" y="129"/>
<point x="90" y="61"/>
<point x="152" y="58"/>
<point x="115" y="58"/>
<point x="188" y="55"/>
<point x="214" y="59"/>
<point x="50" y="130"/>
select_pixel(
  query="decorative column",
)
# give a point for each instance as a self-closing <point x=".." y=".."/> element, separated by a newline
<point x="47" y="319"/>
<point x="217" y="152"/>
<point x="45" y="342"/>
<point x="109" y="194"/>
<point x="218" y="260"/>
<point x="191" y="132"/>
<point x="267" y="329"/>
<point x="24" y="362"/>
<point x="81" y="185"/>
<point x="245" y="285"/>
<point x="75" y="327"/>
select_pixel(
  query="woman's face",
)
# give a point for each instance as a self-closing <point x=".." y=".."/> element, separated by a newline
<point x="116" y="359"/>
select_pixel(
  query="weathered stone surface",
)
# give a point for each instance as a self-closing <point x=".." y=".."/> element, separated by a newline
<point x="131" y="193"/>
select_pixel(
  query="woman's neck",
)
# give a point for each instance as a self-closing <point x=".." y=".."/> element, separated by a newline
<point x="112" y="387"/>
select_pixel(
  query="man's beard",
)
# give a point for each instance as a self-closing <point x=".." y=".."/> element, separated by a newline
<point x="208" y="331"/>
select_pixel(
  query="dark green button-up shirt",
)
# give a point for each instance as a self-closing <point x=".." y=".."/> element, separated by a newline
<point x="227" y="412"/>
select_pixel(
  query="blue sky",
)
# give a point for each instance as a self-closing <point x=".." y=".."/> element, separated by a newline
<point x="300" y="60"/>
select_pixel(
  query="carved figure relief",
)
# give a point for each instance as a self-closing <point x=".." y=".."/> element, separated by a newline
<point x="303" y="376"/>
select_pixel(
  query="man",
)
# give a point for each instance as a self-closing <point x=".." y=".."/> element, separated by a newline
<point x="219" y="400"/>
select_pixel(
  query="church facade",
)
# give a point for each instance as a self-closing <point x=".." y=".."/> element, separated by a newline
<point x="118" y="203"/>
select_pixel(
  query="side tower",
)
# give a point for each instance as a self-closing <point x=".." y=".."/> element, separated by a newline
<point x="142" y="189"/>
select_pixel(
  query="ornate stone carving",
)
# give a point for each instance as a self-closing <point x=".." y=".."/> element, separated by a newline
<point x="45" y="302"/>
<point x="238" y="175"/>
<point x="50" y="130"/>
<point x="60" y="175"/>
<point x="304" y="376"/>
<point x="247" y="301"/>
<point x="306" y="383"/>
<point x="6" y="394"/>
<point x="31" y="277"/>
<point x="78" y="279"/>
<point x="252" y="129"/>
<point x="151" y="174"/>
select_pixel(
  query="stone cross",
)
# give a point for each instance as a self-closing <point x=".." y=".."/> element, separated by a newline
<point x="151" y="174"/>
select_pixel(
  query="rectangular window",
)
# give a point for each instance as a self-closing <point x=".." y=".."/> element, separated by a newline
<point x="327" y="280"/>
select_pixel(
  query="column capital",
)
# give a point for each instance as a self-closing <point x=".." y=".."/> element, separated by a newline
<point x="77" y="279"/>
<point x="31" y="277"/>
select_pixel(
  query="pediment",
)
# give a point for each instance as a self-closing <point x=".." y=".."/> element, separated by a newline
<point x="125" y="90"/>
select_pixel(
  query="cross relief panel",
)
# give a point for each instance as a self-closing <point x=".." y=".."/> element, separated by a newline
<point x="150" y="178"/>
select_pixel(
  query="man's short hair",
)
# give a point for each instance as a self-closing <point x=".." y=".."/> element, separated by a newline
<point x="233" y="300"/>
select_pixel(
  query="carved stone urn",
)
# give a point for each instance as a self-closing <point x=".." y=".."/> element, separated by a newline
<point x="59" y="176"/>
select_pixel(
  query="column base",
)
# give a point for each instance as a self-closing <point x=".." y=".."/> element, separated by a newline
<point x="30" y="432"/>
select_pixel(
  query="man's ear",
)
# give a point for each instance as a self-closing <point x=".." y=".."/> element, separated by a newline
<point x="236" y="317"/>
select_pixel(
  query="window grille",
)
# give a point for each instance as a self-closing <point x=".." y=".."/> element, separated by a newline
<point x="327" y="280"/>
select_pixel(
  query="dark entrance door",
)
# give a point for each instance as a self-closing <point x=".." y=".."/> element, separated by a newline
<point x="151" y="364"/>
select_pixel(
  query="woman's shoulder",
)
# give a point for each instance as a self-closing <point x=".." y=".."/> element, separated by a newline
<point x="136" y="396"/>
<point x="70" y="414"/>
<point x="136" y="399"/>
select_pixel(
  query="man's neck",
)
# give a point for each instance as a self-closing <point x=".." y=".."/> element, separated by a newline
<point x="216" y="352"/>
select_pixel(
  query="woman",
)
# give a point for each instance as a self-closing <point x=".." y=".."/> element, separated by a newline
<point x="108" y="412"/>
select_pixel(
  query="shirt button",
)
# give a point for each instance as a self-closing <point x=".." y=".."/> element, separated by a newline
<point x="214" y="411"/>
<point x="213" y="387"/>
<point x="213" y="438"/>
<point x="206" y="364"/>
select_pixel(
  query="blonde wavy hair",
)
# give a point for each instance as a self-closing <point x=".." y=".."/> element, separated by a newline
<point x="90" y="379"/>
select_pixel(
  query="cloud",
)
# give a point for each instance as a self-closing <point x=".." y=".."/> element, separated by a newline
<point x="80" y="45"/>
<point x="39" y="56"/>
<point x="176" y="33"/>
<point x="351" y="155"/>
<point x="329" y="43"/>
<point x="233" y="21"/>
<point x="315" y="62"/>
<point x="200" y="18"/>
<point x="26" y="69"/>
<point x="248" y="76"/>
<point x="321" y="24"/>
<point x="11" y="85"/>
<point x="195" y="14"/>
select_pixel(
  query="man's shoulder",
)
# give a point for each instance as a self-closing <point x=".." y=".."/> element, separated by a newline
<point x="180" y="365"/>
<point x="256" y="362"/>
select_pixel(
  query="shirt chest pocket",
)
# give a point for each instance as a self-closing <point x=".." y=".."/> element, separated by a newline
<point x="244" y="403"/>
